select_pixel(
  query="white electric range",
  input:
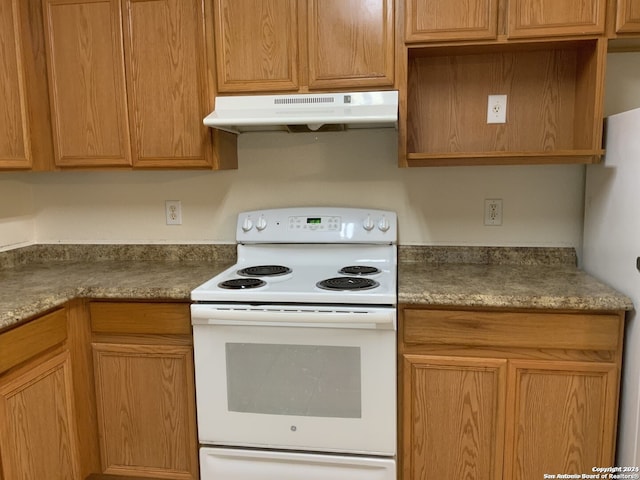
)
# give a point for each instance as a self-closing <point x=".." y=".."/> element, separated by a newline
<point x="295" y="349"/>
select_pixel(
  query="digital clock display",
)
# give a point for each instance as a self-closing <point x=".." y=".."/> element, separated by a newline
<point x="314" y="221"/>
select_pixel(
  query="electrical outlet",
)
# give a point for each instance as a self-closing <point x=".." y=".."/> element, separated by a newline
<point x="173" y="212"/>
<point x="497" y="109"/>
<point x="493" y="211"/>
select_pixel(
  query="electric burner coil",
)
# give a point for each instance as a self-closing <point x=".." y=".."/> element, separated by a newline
<point x="347" y="283"/>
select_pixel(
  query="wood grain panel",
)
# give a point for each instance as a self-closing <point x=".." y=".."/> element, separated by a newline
<point x="140" y="318"/>
<point x="545" y="18"/>
<point x="37" y="86"/>
<point x="30" y="339"/>
<point x="15" y="147"/>
<point x="38" y="435"/>
<point x="146" y="410"/>
<point x="444" y="20"/>
<point x="547" y="89"/>
<point x="167" y="89"/>
<point x="256" y="45"/>
<point x="453" y="414"/>
<point x="562" y="418"/>
<point x="448" y="101"/>
<point x="81" y="355"/>
<point x="628" y="16"/>
<point x="87" y="82"/>
<point x="517" y="330"/>
<point x="350" y="43"/>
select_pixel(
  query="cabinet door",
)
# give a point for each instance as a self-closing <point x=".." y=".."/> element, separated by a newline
<point x="452" y="417"/>
<point x="15" y="150"/>
<point x="38" y="435"/>
<point x="442" y="20"/>
<point x="545" y="18"/>
<point x="350" y="43"/>
<point x="256" y="45"/>
<point x="146" y="410"/>
<point x="628" y="16"/>
<point x="561" y="417"/>
<point x="166" y="82"/>
<point x="87" y="82"/>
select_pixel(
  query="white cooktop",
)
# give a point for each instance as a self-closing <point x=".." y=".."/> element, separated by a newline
<point x="315" y="243"/>
<point x="309" y="264"/>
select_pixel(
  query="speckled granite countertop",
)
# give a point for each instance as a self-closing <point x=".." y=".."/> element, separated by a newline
<point x="495" y="277"/>
<point x="38" y="278"/>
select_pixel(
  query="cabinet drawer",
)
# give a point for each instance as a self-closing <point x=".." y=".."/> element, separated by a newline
<point x="32" y="338"/>
<point x="511" y="329"/>
<point x="140" y="318"/>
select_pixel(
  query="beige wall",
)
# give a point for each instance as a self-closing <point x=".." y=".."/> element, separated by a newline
<point x="542" y="204"/>
<point x="623" y="82"/>
<point x="17" y="219"/>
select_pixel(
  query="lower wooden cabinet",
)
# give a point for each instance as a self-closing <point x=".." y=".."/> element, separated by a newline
<point x="561" y="417"/>
<point x="453" y="417"/>
<point x="145" y="391"/>
<point x="38" y="434"/>
<point x="507" y="395"/>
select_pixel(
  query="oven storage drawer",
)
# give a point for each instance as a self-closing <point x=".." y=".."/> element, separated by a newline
<point x="233" y="464"/>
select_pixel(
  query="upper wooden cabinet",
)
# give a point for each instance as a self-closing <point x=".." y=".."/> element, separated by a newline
<point x="15" y="148"/>
<point x="442" y="20"/>
<point x="628" y="17"/>
<point x="548" y="18"/>
<point x="166" y="82"/>
<point x="296" y="45"/>
<point x="128" y="82"/>
<point x="256" y="45"/>
<point x="350" y="43"/>
<point x="88" y="93"/>
<point x="25" y="142"/>
<point x="553" y="111"/>
<point x="547" y="56"/>
<point x="456" y="20"/>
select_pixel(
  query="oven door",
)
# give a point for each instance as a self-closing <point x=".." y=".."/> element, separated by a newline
<point x="303" y="378"/>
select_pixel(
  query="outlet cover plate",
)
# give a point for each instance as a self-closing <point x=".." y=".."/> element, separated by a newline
<point x="493" y="211"/>
<point x="497" y="109"/>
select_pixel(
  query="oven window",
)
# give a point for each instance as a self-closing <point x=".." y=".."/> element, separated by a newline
<point x="303" y="380"/>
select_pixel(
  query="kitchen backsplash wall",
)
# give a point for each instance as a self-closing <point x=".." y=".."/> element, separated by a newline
<point x="17" y="212"/>
<point x="542" y="204"/>
<point x="436" y="206"/>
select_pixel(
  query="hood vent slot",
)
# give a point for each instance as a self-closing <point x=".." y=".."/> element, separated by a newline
<point x="303" y="100"/>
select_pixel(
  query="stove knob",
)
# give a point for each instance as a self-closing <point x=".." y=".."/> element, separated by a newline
<point x="247" y="225"/>
<point x="384" y="224"/>
<point x="261" y="224"/>
<point x="368" y="224"/>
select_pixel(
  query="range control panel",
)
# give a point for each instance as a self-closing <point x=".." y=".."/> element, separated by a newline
<point x="317" y="225"/>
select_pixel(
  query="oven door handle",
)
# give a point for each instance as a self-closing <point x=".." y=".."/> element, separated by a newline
<point x="379" y="319"/>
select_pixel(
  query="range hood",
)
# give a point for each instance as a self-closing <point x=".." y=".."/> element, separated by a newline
<point x="305" y="112"/>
